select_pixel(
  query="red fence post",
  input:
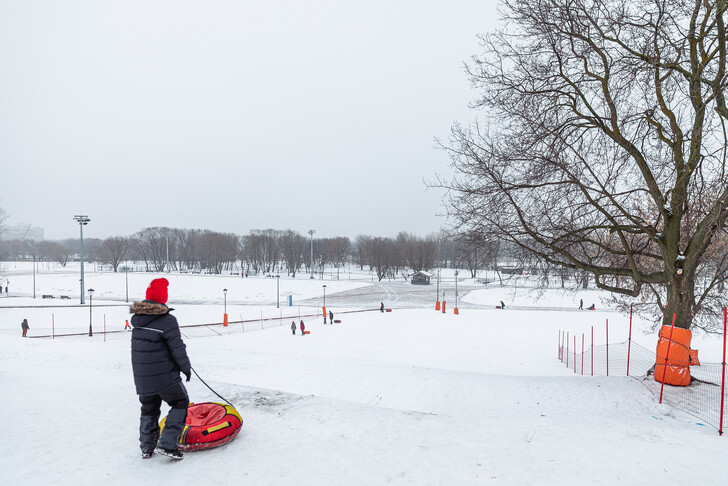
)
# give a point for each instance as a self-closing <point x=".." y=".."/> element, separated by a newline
<point x="669" y="345"/>
<point x="582" y="353"/>
<point x="567" y="349"/>
<point x="559" y="347"/>
<point x="592" y="352"/>
<point x="722" y="381"/>
<point x="607" y="347"/>
<point x="629" y="340"/>
<point x="574" y="353"/>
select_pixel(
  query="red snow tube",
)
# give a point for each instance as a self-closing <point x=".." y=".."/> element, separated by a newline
<point x="208" y="425"/>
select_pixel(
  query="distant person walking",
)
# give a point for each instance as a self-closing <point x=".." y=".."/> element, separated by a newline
<point x="581" y="304"/>
<point x="503" y="306"/>
<point x="381" y="307"/>
<point x="24" y="326"/>
<point x="303" y="328"/>
<point x="331" y="318"/>
<point x="293" y="327"/>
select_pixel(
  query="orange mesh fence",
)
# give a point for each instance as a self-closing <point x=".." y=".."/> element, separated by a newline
<point x="701" y="399"/>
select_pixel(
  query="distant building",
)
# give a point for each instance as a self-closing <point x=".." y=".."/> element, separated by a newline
<point x="22" y="232"/>
<point x="421" y="278"/>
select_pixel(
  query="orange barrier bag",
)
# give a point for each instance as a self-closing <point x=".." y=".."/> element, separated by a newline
<point x="678" y="362"/>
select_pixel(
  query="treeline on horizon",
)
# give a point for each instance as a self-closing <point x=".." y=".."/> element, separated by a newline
<point x="263" y="251"/>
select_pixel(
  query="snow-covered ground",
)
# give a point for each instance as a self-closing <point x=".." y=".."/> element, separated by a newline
<point x="411" y="396"/>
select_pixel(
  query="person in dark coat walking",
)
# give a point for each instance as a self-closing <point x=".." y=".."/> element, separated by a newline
<point x="581" y="304"/>
<point x="293" y="327"/>
<point x="331" y="318"/>
<point x="24" y="326"/>
<point x="158" y="355"/>
<point x="381" y="307"/>
<point x="303" y="328"/>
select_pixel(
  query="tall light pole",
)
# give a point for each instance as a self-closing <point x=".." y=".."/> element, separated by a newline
<point x="311" y="232"/>
<point x="90" y="311"/>
<point x="224" y="293"/>
<point x="83" y="220"/>
<point x="127" y="282"/>
<point x="324" y="298"/>
<point x="278" y="292"/>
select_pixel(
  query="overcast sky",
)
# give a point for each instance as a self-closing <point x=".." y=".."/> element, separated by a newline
<point x="231" y="115"/>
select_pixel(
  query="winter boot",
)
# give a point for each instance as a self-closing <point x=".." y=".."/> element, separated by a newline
<point x="173" y="453"/>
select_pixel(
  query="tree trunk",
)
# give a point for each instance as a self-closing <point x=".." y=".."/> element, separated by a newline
<point x="680" y="299"/>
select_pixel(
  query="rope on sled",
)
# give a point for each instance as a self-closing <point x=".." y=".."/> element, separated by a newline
<point x="208" y="386"/>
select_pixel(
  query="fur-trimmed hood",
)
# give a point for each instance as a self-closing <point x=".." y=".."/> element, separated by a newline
<point x="149" y="307"/>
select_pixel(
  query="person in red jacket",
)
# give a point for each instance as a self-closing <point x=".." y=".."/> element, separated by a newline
<point x="303" y="328"/>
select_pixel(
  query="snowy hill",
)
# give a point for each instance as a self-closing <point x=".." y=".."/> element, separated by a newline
<point x="412" y="397"/>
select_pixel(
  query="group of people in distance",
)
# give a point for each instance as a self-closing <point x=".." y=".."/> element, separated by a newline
<point x="303" y="328"/>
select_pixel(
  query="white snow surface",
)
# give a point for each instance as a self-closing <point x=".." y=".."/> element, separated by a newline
<point x="408" y="397"/>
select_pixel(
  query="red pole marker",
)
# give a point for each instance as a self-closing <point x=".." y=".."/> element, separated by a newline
<point x="629" y="340"/>
<point x="667" y="353"/>
<point x="722" y="385"/>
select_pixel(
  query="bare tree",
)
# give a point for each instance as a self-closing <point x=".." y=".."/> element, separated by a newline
<point x="216" y="251"/>
<point x="293" y="250"/>
<point x="114" y="250"/>
<point x="605" y="147"/>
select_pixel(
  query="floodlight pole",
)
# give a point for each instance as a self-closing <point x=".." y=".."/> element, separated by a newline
<point x="278" y="292"/>
<point x="83" y="220"/>
<point x="311" y="232"/>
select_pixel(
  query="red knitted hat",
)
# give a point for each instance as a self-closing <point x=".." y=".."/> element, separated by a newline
<point x="157" y="290"/>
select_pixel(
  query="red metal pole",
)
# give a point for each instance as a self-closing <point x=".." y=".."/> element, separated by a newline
<point x="559" y="347"/>
<point x="567" y="349"/>
<point x="629" y="340"/>
<point x="722" y="382"/>
<point x="582" y="353"/>
<point x="592" y="352"/>
<point x="574" y="353"/>
<point x="607" y="347"/>
<point x="669" y="344"/>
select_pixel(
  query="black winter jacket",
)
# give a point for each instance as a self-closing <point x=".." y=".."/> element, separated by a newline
<point x="158" y="354"/>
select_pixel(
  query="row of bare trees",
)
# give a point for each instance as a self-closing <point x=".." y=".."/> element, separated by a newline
<point x="265" y="252"/>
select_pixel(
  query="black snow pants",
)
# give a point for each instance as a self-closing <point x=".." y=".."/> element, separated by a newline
<point x="176" y="397"/>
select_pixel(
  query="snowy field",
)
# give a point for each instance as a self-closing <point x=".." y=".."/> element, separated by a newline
<point x="412" y="396"/>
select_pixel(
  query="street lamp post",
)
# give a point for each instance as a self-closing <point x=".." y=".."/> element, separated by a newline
<point x="324" y="287"/>
<point x="90" y="311"/>
<point x="83" y="220"/>
<point x="127" y="283"/>
<point x="278" y="291"/>
<point x="311" y="232"/>
<point x="225" y="316"/>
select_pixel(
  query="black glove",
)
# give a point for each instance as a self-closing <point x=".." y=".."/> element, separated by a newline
<point x="188" y="374"/>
